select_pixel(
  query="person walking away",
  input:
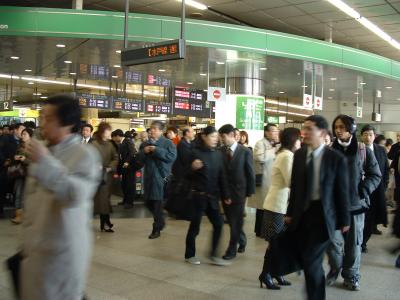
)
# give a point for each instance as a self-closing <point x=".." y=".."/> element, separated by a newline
<point x="157" y="155"/>
<point x="208" y="184"/>
<point x="238" y="163"/>
<point x="109" y="158"/>
<point x="377" y="212"/>
<point x="364" y="178"/>
<point x="127" y="153"/>
<point x="57" y="229"/>
<point x="276" y="202"/>
<point x="20" y="169"/>
<point x="264" y="155"/>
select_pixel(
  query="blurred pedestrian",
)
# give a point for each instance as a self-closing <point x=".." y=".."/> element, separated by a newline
<point x="63" y="177"/>
<point x="109" y="158"/>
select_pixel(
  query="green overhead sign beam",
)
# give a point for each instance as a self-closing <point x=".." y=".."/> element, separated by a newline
<point x="68" y="23"/>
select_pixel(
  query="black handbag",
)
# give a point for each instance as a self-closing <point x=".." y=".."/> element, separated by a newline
<point x="14" y="266"/>
<point x="179" y="202"/>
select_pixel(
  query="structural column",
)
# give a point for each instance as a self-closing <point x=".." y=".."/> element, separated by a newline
<point x="77" y="4"/>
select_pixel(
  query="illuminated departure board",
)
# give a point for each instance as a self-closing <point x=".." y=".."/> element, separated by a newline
<point x="132" y="105"/>
<point x="191" y="103"/>
<point x="163" y="51"/>
<point x="158" y="107"/>
<point x="94" y="101"/>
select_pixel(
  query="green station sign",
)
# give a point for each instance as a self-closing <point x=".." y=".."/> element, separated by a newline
<point x="250" y="112"/>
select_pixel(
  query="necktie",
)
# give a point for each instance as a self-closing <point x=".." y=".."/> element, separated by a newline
<point x="309" y="180"/>
<point x="229" y="154"/>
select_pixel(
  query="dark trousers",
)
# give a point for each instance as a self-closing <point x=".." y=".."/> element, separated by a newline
<point x="259" y="221"/>
<point x="204" y="205"/>
<point x="3" y="189"/>
<point x="156" y="208"/>
<point x="105" y="220"/>
<point x="128" y="184"/>
<point x="312" y="242"/>
<point x="234" y="215"/>
<point x="369" y="226"/>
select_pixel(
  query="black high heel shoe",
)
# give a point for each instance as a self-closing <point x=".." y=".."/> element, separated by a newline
<point x="269" y="283"/>
<point x="282" y="281"/>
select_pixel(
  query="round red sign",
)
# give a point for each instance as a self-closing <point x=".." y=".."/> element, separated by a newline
<point x="217" y="94"/>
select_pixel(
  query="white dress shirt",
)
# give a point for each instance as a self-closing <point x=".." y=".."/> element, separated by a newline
<point x="234" y="147"/>
<point x="317" y="156"/>
<point x="85" y="140"/>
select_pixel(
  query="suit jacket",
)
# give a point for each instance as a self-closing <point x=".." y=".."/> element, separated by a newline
<point x="394" y="155"/>
<point x="378" y="197"/>
<point x="126" y="154"/>
<point x="182" y="162"/>
<point x="334" y="187"/>
<point x="240" y="173"/>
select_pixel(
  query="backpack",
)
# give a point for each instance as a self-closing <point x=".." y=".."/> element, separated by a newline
<point x="362" y="153"/>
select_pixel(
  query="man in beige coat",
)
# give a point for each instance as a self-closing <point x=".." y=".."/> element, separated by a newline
<point x="264" y="156"/>
<point x="59" y="191"/>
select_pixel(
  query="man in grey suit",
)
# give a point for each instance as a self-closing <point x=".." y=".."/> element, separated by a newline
<point x="241" y="179"/>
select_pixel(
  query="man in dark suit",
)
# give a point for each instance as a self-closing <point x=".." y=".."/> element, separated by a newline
<point x="126" y="168"/>
<point x="241" y="180"/>
<point x="318" y="203"/>
<point x="394" y="155"/>
<point x="86" y="132"/>
<point x="377" y="212"/>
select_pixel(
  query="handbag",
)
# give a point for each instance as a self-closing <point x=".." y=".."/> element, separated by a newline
<point x="179" y="202"/>
<point x="14" y="266"/>
<point x="16" y="171"/>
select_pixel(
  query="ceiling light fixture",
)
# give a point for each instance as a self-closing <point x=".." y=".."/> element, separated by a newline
<point x="190" y="83"/>
<point x="14" y="57"/>
<point x="388" y="87"/>
<point x="281" y="92"/>
<point x="43" y="97"/>
<point x="333" y="78"/>
<point x="37" y="94"/>
<point x="275" y="102"/>
<point x="161" y="70"/>
<point x="28" y="70"/>
<point x="68" y="61"/>
<point x="365" y="22"/>
<point x="118" y="51"/>
<point x="356" y="93"/>
<point x="363" y="83"/>
<point x="117" y="66"/>
<point x="220" y="63"/>
<point x="195" y="4"/>
<point x="331" y="90"/>
<point x="114" y="76"/>
<point x="329" y="98"/>
<point x="72" y="73"/>
<point x="203" y="74"/>
<point x="60" y="46"/>
<point x="286" y="112"/>
<point x="31" y="82"/>
<point x="263" y="69"/>
<point x="304" y="86"/>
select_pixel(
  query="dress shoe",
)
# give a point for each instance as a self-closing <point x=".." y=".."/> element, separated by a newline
<point x="364" y="249"/>
<point x="154" y="235"/>
<point x="241" y="249"/>
<point x="107" y="230"/>
<point x="269" y="283"/>
<point x="219" y="262"/>
<point x="377" y="231"/>
<point x="229" y="256"/>
<point x="282" y="281"/>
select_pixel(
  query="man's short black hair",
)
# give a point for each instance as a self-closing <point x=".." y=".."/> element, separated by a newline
<point x="269" y="126"/>
<point x="226" y="129"/>
<point x="319" y="121"/>
<point x="117" y="132"/>
<point x="185" y="131"/>
<point x="68" y="110"/>
<point x="88" y="126"/>
<point x="18" y="125"/>
<point x="368" y="127"/>
<point x="159" y="124"/>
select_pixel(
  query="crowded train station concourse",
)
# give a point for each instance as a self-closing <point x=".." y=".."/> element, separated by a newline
<point x="181" y="149"/>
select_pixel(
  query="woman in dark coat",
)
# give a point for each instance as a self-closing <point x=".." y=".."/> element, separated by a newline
<point x="208" y="185"/>
<point x="109" y="156"/>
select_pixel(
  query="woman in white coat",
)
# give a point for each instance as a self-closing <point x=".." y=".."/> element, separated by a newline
<point x="276" y="202"/>
<point x="61" y="183"/>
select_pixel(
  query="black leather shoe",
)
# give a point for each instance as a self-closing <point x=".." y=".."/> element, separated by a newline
<point x="154" y="235"/>
<point x="364" y="249"/>
<point x="282" y="281"/>
<point x="269" y="283"/>
<point x="241" y="249"/>
<point x="229" y="256"/>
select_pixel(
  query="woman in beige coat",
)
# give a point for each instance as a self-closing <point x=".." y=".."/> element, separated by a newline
<point x="276" y="202"/>
<point x="109" y="156"/>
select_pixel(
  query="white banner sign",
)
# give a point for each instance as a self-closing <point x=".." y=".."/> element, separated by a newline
<point x="307" y="101"/>
<point x="216" y="94"/>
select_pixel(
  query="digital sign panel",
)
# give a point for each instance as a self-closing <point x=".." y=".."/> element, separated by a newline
<point x="158" y="107"/>
<point x="191" y="103"/>
<point x="6" y="105"/>
<point x="163" y="51"/>
<point x="94" y="71"/>
<point x="157" y="80"/>
<point x="132" y="105"/>
<point x="133" y="77"/>
<point x="94" y="101"/>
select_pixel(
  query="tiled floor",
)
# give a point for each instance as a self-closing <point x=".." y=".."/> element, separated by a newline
<point x="127" y="265"/>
